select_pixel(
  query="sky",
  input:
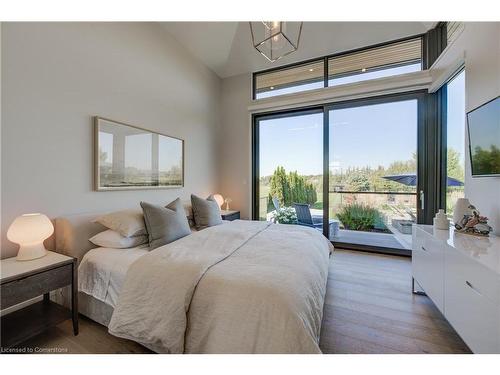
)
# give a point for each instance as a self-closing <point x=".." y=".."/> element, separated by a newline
<point x="359" y="136"/>
<point x="138" y="149"/>
<point x="455" y="114"/>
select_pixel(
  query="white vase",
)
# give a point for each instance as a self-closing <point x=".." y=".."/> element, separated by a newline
<point x="461" y="209"/>
<point x="441" y="221"/>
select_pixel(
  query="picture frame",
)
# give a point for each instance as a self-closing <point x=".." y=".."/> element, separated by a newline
<point x="128" y="157"/>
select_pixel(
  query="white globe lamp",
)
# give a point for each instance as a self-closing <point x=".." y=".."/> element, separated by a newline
<point x="29" y="231"/>
<point x="219" y="199"/>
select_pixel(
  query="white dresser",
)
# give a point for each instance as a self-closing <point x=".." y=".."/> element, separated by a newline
<point x="461" y="274"/>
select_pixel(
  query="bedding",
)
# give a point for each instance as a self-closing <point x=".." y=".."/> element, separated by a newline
<point x="128" y="223"/>
<point x="206" y="211"/>
<point x="114" y="240"/>
<point x="244" y="287"/>
<point x="165" y="224"/>
<point x="102" y="271"/>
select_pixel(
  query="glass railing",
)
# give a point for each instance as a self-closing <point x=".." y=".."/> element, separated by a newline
<point x="369" y="213"/>
<point x="374" y="211"/>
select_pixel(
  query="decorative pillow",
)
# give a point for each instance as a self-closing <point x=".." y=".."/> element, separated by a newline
<point x="112" y="239"/>
<point x="128" y="223"/>
<point x="165" y="224"/>
<point x="206" y="211"/>
<point x="189" y="213"/>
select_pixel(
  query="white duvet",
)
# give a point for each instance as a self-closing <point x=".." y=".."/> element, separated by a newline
<point x="102" y="271"/>
<point x="245" y="287"/>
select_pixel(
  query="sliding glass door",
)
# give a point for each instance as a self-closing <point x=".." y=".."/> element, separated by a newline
<point x="289" y="167"/>
<point x="373" y="172"/>
<point x="350" y="170"/>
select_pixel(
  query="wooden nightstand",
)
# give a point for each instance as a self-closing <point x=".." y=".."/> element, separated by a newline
<point x="230" y="215"/>
<point x="24" y="280"/>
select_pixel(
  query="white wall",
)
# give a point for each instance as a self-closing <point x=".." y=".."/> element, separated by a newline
<point x="236" y="140"/>
<point x="482" y="83"/>
<point x="478" y="46"/>
<point x="55" y="76"/>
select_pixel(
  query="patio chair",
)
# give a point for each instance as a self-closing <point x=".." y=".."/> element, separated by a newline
<point x="305" y="218"/>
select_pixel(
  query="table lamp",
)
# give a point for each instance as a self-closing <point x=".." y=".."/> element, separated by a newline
<point x="219" y="199"/>
<point x="29" y="231"/>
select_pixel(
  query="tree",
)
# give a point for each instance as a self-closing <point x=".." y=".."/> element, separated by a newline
<point x="291" y="188"/>
<point x="454" y="166"/>
<point x="486" y="161"/>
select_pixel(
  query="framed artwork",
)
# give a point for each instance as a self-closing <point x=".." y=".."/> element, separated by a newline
<point x="128" y="157"/>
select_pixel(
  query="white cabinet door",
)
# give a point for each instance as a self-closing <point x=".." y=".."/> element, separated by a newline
<point x="468" y="303"/>
<point x="428" y="266"/>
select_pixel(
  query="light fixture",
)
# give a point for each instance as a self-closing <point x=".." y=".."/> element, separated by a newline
<point x="219" y="199"/>
<point x="29" y="231"/>
<point x="275" y="39"/>
<point x="311" y="70"/>
<point x="363" y="70"/>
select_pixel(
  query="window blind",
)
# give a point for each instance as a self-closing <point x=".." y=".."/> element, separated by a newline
<point x="453" y="30"/>
<point x="399" y="53"/>
<point x="289" y="77"/>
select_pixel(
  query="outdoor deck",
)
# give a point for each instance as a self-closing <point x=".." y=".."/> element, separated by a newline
<point x="385" y="240"/>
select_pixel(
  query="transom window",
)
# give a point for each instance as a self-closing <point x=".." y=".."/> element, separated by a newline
<point x="386" y="60"/>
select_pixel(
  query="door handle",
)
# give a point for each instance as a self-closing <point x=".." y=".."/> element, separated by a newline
<point x="422" y="196"/>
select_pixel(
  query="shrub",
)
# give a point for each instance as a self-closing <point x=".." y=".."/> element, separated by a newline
<point x="285" y="215"/>
<point x="360" y="217"/>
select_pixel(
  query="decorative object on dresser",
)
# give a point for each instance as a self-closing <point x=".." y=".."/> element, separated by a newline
<point x="461" y="208"/>
<point x="129" y="157"/>
<point x="441" y="221"/>
<point x="474" y="223"/>
<point x="229" y="215"/>
<point x="29" y="231"/>
<point x="23" y="281"/>
<point x="461" y="275"/>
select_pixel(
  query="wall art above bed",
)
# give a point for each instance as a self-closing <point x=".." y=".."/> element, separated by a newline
<point x="128" y="157"/>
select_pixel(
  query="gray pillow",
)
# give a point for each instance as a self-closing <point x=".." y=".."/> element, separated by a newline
<point x="206" y="212"/>
<point x="165" y="224"/>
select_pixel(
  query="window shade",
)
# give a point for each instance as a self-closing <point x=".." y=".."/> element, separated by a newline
<point x="295" y="76"/>
<point x="400" y="53"/>
<point x="453" y="30"/>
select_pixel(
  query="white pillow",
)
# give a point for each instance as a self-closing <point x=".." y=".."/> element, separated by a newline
<point x="128" y="223"/>
<point x="110" y="238"/>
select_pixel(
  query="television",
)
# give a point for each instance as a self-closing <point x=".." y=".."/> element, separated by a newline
<point x="483" y="125"/>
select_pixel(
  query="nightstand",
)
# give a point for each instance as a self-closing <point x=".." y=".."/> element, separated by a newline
<point x="229" y="215"/>
<point x="24" y="280"/>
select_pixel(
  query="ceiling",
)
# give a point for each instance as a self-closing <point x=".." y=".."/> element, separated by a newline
<point x="226" y="47"/>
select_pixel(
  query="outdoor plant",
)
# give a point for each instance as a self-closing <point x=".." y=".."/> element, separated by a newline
<point x="285" y="215"/>
<point x="360" y="217"/>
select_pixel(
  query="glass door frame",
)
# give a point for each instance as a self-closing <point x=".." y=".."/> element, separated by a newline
<point x="256" y="118"/>
<point x="428" y="151"/>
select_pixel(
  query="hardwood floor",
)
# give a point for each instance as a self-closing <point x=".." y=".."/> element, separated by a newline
<point x="369" y="308"/>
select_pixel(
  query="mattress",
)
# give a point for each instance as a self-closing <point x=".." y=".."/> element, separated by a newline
<point x="102" y="271"/>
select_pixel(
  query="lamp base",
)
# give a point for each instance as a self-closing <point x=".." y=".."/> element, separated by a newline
<point x="32" y="251"/>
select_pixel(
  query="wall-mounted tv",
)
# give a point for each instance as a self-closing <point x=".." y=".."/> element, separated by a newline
<point x="483" y="124"/>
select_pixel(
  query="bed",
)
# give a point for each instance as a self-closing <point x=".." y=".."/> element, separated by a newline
<point x="242" y="287"/>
